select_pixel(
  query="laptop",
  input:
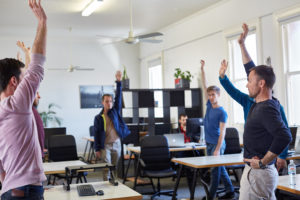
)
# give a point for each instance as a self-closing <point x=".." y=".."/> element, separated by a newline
<point x="175" y="140"/>
<point x="297" y="149"/>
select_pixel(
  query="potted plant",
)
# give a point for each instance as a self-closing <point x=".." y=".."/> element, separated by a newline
<point x="182" y="79"/>
<point x="50" y="116"/>
<point x="125" y="79"/>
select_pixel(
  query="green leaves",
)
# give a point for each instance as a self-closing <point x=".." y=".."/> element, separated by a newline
<point x="50" y="115"/>
<point x="124" y="74"/>
<point x="183" y="75"/>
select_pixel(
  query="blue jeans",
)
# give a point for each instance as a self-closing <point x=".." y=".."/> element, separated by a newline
<point x="31" y="192"/>
<point x="218" y="172"/>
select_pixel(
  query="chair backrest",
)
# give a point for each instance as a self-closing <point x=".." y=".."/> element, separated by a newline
<point x="162" y="128"/>
<point x="53" y="131"/>
<point x="293" y="130"/>
<point x="232" y="141"/>
<point x="155" y="153"/>
<point x="134" y="136"/>
<point x="62" y="148"/>
<point x="92" y="132"/>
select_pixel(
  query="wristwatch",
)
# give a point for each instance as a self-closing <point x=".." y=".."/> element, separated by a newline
<point x="261" y="165"/>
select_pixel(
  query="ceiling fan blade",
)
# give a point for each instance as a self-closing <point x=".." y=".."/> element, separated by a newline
<point x="83" y="68"/>
<point x="64" y="69"/>
<point x="149" y="35"/>
<point x="151" y="41"/>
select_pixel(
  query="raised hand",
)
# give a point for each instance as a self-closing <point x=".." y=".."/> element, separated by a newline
<point x="202" y="64"/>
<point x="223" y="68"/>
<point x="243" y="35"/>
<point x="118" y="75"/>
<point x="39" y="44"/>
<point x="22" y="46"/>
<point x="38" y="10"/>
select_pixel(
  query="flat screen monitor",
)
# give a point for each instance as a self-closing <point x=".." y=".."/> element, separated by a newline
<point x="293" y="130"/>
<point x="162" y="128"/>
<point x="53" y="131"/>
<point x="193" y="129"/>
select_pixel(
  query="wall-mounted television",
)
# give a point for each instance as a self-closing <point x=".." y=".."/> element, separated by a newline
<point x="91" y="95"/>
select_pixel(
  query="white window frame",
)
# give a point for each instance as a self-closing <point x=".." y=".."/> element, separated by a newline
<point x="283" y="19"/>
<point x="153" y="62"/>
<point x="232" y="34"/>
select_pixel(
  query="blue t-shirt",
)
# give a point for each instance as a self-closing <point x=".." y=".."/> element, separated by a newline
<point x="212" y="120"/>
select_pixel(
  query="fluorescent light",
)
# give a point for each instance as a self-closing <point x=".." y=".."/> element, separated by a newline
<point x="91" y="7"/>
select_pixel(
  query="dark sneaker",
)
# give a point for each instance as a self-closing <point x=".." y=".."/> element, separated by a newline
<point x="229" y="195"/>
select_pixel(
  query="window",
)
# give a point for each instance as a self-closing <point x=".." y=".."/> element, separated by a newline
<point x="238" y="74"/>
<point x="291" y="49"/>
<point x="156" y="82"/>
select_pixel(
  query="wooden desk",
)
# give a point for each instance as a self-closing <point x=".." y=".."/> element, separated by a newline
<point x="137" y="149"/>
<point x="284" y="184"/>
<point x="293" y="157"/>
<point x="120" y="192"/>
<point x="211" y="161"/>
<point x="59" y="167"/>
<point x="204" y="162"/>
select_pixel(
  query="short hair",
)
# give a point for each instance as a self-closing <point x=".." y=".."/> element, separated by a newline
<point x="9" y="67"/>
<point x="213" y="88"/>
<point x="265" y="73"/>
<point x="106" y="95"/>
<point x="182" y="115"/>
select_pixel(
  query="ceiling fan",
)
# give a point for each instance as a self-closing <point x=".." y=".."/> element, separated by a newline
<point x="71" y="67"/>
<point x="131" y="39"/>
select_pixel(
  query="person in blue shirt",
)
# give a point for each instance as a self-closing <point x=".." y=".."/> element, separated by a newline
<point x="215" y="125"/>
<point x="243" y="99"/>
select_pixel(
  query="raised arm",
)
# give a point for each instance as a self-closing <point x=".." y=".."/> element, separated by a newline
<point x="236" y="94"/>
<point x="203" y="79"/>
<point x="118" y="97"/>
<point x="24" y="95"/>
<point x="245" y="55"/>
<point x="26" y="51"/>
<point x="39" y="45"/>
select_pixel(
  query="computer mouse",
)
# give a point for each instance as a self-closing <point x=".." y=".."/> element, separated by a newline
<point x="100" y="192"/>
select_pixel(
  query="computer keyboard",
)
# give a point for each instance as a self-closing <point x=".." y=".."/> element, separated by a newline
<point x="86" y="190"/>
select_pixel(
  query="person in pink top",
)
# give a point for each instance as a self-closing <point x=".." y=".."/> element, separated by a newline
<point x="21" y="167"/>
<point x="37" y="117"/>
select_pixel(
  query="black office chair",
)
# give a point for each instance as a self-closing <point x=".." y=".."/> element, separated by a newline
<point x="63" y="148"/>
<point x="155" y="162"/>
<point x="233" y="146"/>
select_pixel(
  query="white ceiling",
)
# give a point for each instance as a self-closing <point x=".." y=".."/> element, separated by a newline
<point x="111" y="19"/>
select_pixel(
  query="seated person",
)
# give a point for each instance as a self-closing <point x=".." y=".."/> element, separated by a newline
<point x="182" y="127"/>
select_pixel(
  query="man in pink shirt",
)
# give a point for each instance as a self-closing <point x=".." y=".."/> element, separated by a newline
<point x="21" y="168"/>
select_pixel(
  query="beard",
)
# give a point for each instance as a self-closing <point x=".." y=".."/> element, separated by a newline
<point x="254" y="93"/>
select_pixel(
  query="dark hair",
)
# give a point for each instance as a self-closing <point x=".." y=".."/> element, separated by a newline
<point x="9" y="67"/>
<point x="182" y="115"/>
<point x="265" y="73"/>
<point x="213" y="88"/>
<point x="106" y="95"/>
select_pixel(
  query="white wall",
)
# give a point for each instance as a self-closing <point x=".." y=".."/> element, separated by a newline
<point x="62" y="87"/>
<point x="202" y="35"/>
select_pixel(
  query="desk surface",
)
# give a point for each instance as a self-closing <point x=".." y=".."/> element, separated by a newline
<point x="284" y="184"/>
<point x="120" y="192"/>
<point x="294" y="157"/>
<point x="59" y="167"/>
<point x="211" y="161"/>
<point x="137" y="149"/>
